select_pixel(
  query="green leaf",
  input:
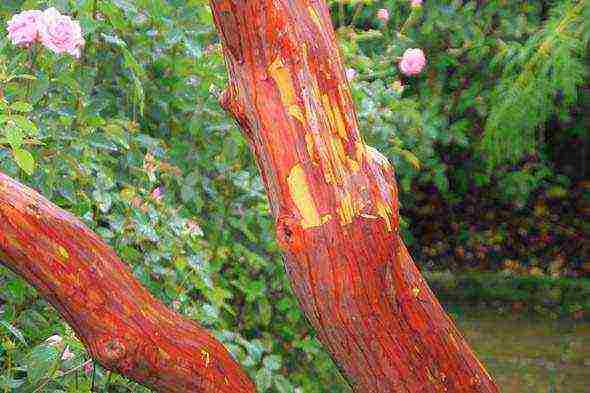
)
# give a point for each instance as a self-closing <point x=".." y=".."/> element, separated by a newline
<point x="25" y="124"/>
<point x="21" y="106"/>
<point x="283" y="385"/>
<point x="265" y="311"/>
<point x="14" y="136"/>
<point x="272" y="362"/>
<point x="15" y="332"/>
<point x="263" y="379"/>
<point x="24" y="160"/>
<point x="42" y="361"/>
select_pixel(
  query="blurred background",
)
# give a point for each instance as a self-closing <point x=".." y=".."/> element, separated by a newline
<point x="490" y="142"/>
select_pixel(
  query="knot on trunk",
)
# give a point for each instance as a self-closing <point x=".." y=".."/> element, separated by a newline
<point x="290" y="234"/>
<point x="116" y="354"/>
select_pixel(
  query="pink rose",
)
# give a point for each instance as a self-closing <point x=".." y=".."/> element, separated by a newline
<point x="413" y="62"/>
<point x="416" y="3"/>
<point x="350" y="74"/>
<point x="60" y="33"/>
<point x="23" y="28"/>
<point x="383" y="15"/>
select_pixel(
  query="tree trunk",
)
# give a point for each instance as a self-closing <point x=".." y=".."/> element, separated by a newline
<point x="124" y="327"/>
<point x="335" y="203"/>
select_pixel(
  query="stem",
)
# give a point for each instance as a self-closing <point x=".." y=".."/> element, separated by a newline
<point x="31" y="67"/>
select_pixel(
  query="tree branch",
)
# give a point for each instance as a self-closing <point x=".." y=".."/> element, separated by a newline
<point x="123" y="326"/>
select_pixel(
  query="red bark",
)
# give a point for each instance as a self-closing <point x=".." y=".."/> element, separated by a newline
<point x="335" y="201"/>
<point x="123" y="326"/>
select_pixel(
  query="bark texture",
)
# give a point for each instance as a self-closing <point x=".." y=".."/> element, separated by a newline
<point x="335" y="203"/>
<point x="123" y="326"/>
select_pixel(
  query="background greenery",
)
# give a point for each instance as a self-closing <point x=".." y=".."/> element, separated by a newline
<point x="490" y="145"/>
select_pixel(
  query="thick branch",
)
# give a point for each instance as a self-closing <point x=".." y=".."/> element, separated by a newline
<point x="335" y="201"/>
<point x="123" y="326"/>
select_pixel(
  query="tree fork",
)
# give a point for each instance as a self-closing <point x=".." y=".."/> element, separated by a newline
<point x="123" y="326"/>
<point x="335" y="203"/>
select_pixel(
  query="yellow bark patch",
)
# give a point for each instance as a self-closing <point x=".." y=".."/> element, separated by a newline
<point x="348" y="209"/>
<point x="282" y="78"/>
<point x="62" y="253"/>
<point x="339" y="159"/>
<point x="345" y="210"/>
<point x="430" y="376"/>
<point x="301" y="195"/>
<point x="296" y="112"/>
<point x="339" y="122"/>
<point x="338" y="148"/>
<point x="385" y="212"/>
<point x="353" y="165"/>
<point x="335" y="118"/>
<point x="328" y="175"/>
<point x="344" y="93"/>
<point x="310" y="147"/>
<point x="315" y="17"/>
<point x="328" y="110"/>
<point x="206" y="357"/>
<point x="324" y="156"/>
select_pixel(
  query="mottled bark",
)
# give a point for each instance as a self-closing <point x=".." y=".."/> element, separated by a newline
<point x="335" y="203"/>
<point x="123" y="326"/>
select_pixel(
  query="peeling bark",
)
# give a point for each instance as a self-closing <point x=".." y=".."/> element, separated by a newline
<point x="335" y="203"/>
<point x="121" y="324"/>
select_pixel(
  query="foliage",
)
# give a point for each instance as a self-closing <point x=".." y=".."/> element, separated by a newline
<point x="131" y="139"/>
<point x="540" y="78"/>
<point x="556" y="297"/>
<point x="464" y="112"/>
